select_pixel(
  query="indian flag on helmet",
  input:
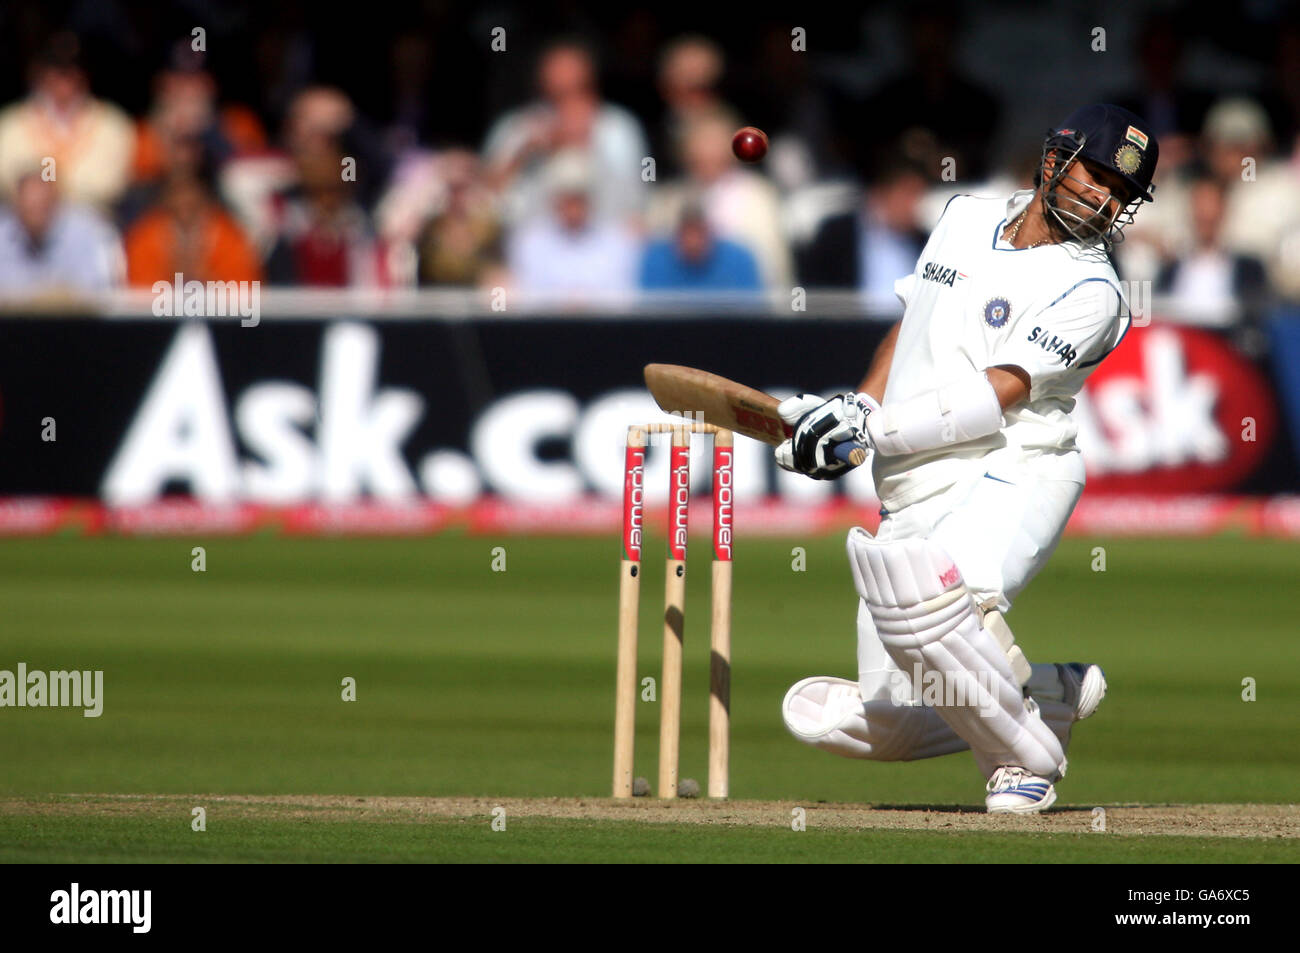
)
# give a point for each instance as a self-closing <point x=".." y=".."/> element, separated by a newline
<point x="1136" y="136"/>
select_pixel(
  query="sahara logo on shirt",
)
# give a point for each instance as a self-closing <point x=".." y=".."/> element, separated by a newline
<point x="1054" y="345"/>
<point x="941" y="273"/>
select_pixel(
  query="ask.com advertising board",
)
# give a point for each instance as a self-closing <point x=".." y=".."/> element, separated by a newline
<point x="415" y="426"/>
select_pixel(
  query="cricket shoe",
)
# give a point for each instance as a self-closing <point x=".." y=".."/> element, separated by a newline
<point x="1013" y="790"/>
<point x="1085" y="687"/>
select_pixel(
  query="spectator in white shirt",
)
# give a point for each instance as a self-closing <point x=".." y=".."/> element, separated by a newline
<point x="1209" y="285"/>
<point x="1261" y="197"/>
<point x="54" y="250"/>
<point x="568" y="115"/>
<point x="570" y="253"/>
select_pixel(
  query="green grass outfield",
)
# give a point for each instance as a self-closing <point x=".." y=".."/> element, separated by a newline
<point x="490" y="684"/>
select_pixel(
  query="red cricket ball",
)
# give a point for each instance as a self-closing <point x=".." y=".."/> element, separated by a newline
<point x="749" y="144"/>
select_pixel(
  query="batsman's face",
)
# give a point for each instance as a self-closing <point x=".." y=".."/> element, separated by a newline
<point x="1088" y="198"/>
<point x="1097" y="188"/>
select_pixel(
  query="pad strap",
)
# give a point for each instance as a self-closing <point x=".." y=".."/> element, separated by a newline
<point x="997" y="625"/>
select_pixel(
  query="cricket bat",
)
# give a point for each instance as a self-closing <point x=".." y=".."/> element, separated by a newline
<point x="725" y="403"/>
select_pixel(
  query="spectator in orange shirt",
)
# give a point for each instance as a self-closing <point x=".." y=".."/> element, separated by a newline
<point x="189" y="233"/>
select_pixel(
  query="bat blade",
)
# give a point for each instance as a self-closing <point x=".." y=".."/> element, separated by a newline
<point x="717" y="400"/>
<point x="725" y="403"/>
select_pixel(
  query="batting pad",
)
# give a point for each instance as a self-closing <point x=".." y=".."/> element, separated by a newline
<point x="829" y="713"/>
<point x="929" y="625"/>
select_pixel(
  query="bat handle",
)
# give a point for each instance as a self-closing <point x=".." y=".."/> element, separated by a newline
<point x="854" y="454"/>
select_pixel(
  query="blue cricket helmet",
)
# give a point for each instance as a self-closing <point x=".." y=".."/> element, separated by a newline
<point x="1113" y="138"/>
<point x="1107" y="137"/>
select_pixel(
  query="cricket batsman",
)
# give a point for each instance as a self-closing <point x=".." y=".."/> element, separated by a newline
<point x="966" y="405"/>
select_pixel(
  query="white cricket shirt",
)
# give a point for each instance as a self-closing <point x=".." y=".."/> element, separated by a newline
<point x="975" y="302"/>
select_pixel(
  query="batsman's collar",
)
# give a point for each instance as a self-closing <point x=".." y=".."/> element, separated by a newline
<point x="1018" y="202"/>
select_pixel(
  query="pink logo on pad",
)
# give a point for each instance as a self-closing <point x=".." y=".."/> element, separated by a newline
<point x="950" y="577"/>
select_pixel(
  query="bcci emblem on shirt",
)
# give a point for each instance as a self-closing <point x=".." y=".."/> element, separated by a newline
<point x="996" y="312"/>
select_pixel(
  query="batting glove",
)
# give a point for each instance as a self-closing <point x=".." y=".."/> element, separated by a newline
<point x="820" y="426"/>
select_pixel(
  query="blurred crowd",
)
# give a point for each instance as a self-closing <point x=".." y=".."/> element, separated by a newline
<point x="575" y="193"/>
